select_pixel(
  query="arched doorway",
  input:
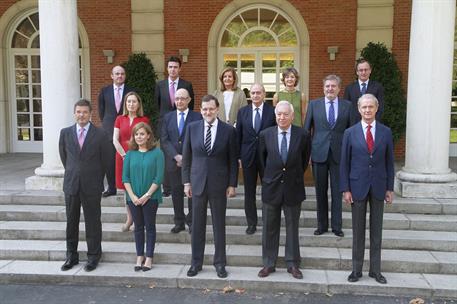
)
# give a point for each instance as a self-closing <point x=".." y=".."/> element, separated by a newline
<point x="24" y="82"/>
<point x="258" y="40"/>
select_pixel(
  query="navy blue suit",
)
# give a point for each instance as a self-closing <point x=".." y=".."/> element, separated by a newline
<point x="352" y="93"/>
<point x="209" y="176"/>
<point x="171" y="143"/>
<point x="367" y="176"/>
<point x="248" y="141"/>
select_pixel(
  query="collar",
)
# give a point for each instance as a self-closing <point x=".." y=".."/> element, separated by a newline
<point x="176" y="80"/>
<point x="120" y="87"/>
<point x="86" y="127"/>
<point x="287" y="131"/>
<point x="185" y="112"/>
<point x="260" y="107"/>
<point x="360" y="82"/>
<point x="214" y="124"/>
<point x="365" y="125"/>
<point x="328" y="100"/>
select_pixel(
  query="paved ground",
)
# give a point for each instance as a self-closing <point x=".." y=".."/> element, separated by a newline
<point x="52" y="294"/>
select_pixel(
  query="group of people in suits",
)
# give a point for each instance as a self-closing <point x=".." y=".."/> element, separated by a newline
<point x="202" y="153"/>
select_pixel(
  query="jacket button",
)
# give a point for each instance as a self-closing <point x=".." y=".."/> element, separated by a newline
<point x="283" y="169"/>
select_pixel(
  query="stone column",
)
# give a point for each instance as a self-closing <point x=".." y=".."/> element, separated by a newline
<point x="426" y="172"/>
<point x="59" y="85"/>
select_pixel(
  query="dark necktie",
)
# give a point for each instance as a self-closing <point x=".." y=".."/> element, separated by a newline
<point x="364" y="88"/>
<point x="208" y="140"/>
<point x="370" y="141"/>
<point x="284" y="147"/>
<point x="257" y="120"/>
<point x="181" y="123"/>
<point x="331" y="115"/>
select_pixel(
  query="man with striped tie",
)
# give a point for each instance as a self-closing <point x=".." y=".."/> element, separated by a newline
<point x="209" y="174"/>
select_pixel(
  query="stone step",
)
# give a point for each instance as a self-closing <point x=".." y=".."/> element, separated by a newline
<point x="400" y="205"/>
<point x="392" y="239"/>
<point x="233" y="217"/>
<point x="166" y="275"/>
<point x="238" y="255"/>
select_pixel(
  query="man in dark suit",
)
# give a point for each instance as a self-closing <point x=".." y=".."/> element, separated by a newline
<point x="326" y="119"/>
<point x="283" y="156"/>
<point x="252" y="119"/>
<point x="164" y="96"/>
<point x="171" y="139"/>
<point x="83" y="149"/>
<point x="209" y="173"/>
<point x="367" y="175"/>
<point x="110" y="105"/>
<point x="364" y="85"/>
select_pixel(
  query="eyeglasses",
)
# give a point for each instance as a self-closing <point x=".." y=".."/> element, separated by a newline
<point x="181" y="98"/>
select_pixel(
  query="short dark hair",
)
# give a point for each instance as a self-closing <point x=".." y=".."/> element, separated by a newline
<point x="208" y="98"/>
<point x="360" y="61"/>
<point x="83" y="103"/>
<point x="174" y="59"/>
<point x="151" y="143"/>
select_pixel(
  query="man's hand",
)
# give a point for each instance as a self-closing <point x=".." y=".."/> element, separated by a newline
<point x="231" y="191"/>
<point x="178" y="159"/>
<point x="389" y="197"/>
<point x="188" y="190"/>
<point x="347" y="197"/>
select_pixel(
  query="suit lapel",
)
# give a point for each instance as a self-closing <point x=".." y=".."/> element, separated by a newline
<point x="322" y="112"/>
<point x="292" y="143"/>
<point x="74" y="139"/>
<point x="361" y="137"/>
<point x="378" y="137"/>
<point x="89" y="136"/>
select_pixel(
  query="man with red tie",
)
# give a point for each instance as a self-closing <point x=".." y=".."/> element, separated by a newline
<point x="367" y="176"/>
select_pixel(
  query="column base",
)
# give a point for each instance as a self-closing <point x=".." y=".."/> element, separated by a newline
<point x="45" y="179"/>
<point x="426" y="185"/>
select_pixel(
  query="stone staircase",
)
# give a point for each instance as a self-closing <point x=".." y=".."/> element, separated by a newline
<point x="419" y="254"/>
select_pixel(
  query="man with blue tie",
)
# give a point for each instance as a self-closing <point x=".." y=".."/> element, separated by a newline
<point x="367" y="176"/>
<point x="171" y="140"/>
<point x="361" y="86"/>
<point x="326" y="120"/>
<point x="252" y="119"/>
<point x="283" y="157"/>
<point x="209" y="174"/>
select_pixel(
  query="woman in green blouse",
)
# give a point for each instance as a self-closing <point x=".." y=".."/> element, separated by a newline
<point x="290" y="79"/>
<point x="142" y="175"/>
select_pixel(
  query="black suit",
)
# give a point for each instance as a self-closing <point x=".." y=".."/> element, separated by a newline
<point x="171" y="143"/>
<point x="108" y="113"/>
<point x="83" y="185"/>
<point x="162" y="95"/>
<point x="282" y="188"/>
<point x="325" y="155"/>
<point x="209" y="176"/>
<point x="352" y="93"/>
<point x="248" y="140"/>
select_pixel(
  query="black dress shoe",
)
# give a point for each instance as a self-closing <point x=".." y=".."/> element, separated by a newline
<point x="221" y="272"/>
<point x="265" y="272"/>
<point x="295" y="272"/>
<point x="319" y="232"/>
<point x="354" y="276"/>
<point x="146" y="268"/>
<point x="193" y="271"/>
<point x="90" y="266"/>
<point x="378" y="277"/>
<point x="177" y="229"/>
<point x="69" y="264"/>
<point x="166" y="194"/>
<point x="251" y="229"/>
<point x="338" y="233"/>
<point x="108" y="193"/>
<point x="138" y="268"/>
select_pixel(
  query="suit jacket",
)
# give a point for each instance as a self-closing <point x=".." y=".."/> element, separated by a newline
<point x="323" y="137"/>
<point x="248" y="138"/>
<point x="283" y="184"/>
<point x="162" y="95"/>
<point x="360" y="170"/>
<point x="84" y="168"/>
<point x="170" y="140"/>
<point x="352" y="93"/>
<point x="218" y="169"/>
<point x="239" y="100"/>
<point x="107" y="108"/>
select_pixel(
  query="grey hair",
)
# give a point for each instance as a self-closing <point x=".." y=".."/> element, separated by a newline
<point x="367" y="96"/>
<point x="285" y="102"/>
<point x="332" y="77"/>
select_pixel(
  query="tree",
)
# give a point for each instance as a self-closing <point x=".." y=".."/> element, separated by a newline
<point x="385" y="70"/>
<point x="142" y="77"/>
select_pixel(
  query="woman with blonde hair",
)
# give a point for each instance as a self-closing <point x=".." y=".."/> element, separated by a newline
<point x="231" y="97"/>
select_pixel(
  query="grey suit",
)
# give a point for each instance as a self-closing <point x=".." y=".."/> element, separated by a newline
<point x="325" y="156"/>
<point x="209" y="176"/>
<point x="83" y="185"/>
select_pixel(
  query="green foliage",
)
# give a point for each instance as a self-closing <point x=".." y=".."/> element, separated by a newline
<point x="385" y="70"/>
<point x="142" y="77"/>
